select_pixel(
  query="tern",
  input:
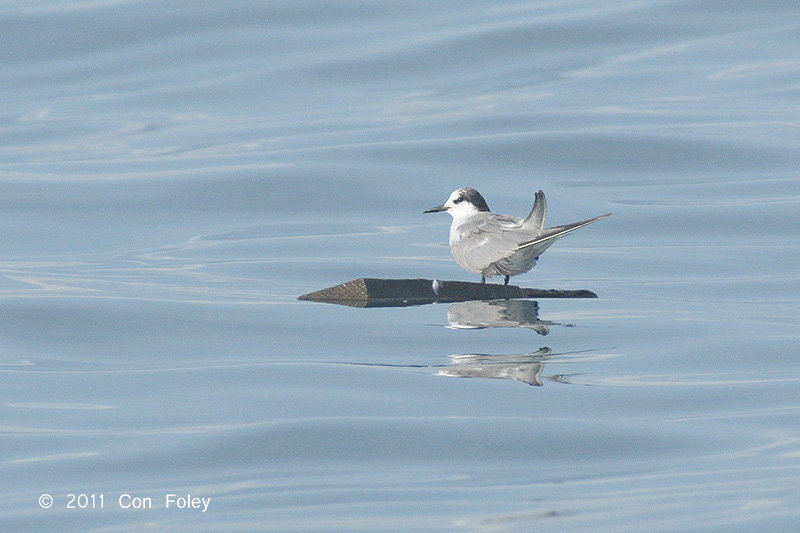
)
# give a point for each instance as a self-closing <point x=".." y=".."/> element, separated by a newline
<point x="491" y="244"/>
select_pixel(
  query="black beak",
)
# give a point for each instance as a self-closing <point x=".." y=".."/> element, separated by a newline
<point x="435" y="209"/>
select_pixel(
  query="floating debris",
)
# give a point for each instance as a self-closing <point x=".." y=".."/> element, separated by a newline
<point x="375" y="292"/>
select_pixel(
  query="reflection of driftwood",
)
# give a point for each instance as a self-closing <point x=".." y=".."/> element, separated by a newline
<point x="373" y="292"/>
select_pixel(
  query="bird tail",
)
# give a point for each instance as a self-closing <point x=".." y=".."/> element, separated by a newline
<point x="549" y="236"/>
<point x="536" y="218"/>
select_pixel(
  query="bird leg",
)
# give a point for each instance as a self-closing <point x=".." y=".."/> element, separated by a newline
<point x="506" y="281"/>
<point x="483" y="279"/>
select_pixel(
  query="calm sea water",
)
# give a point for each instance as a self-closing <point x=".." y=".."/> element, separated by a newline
<point x="173" y="176"/>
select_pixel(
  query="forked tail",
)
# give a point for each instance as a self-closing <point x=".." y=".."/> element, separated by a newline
<point x="536" y="218"/>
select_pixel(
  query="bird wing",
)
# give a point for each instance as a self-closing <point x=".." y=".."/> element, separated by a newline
<point x="542" y="242"/>
<point x="487" y="238"/>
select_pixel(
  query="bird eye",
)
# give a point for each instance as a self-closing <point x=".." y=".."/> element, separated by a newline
<point x="458" y="200"/>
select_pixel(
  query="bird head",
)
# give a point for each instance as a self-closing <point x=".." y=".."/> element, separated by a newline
<point x="462" y="202"/>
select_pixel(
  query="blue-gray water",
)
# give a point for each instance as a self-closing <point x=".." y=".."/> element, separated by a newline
<point x="173" y="175"/>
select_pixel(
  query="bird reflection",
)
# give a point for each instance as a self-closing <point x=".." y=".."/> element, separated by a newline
<point x="497" y="314"/>
<point x="521" y="367"/>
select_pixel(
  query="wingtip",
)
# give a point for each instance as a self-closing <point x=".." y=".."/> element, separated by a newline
<point x="559" y="231"/>
<point x="593" y="219"/>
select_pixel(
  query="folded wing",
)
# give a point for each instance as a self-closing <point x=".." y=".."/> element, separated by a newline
<point x="488" y="238"/>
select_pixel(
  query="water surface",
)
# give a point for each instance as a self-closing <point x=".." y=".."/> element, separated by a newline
<point x="172" y="178"/>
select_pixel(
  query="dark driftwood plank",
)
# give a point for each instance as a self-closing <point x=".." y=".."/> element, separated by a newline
<point x="374" y="292"/>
